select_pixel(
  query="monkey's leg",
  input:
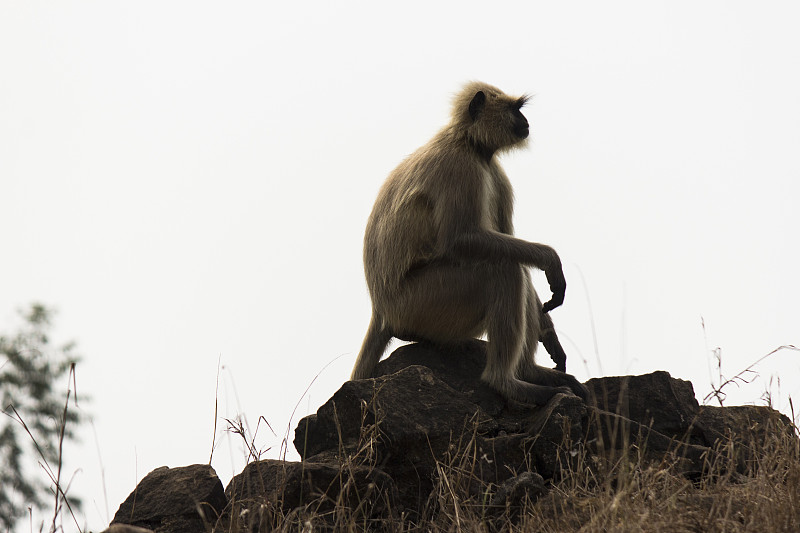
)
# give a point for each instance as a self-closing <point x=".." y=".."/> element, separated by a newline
<point x="441" y="302"/>
<point x="446" y="302"/>
<point x="541" y="326"/>
<point x="533" y="315"/>
<point x="513" y="331"/>
<point x="371" y="349"/>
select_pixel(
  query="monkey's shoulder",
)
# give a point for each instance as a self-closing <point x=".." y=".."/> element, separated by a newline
<point x="436" y="170"/>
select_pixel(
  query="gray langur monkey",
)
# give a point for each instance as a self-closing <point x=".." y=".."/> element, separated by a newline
<point x="441" y="261"/>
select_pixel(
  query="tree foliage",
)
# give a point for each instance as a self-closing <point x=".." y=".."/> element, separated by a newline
<point x="35" y="420"/>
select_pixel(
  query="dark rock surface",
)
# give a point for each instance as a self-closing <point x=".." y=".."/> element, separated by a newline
<point x="658" y="401"/>
<point x="174" y="500"/>
<point x="459" y="366"/>
<point x="406" y="404"/>
<point x="285" y="486"/>
<point x="124" y="528"/>
<point x="377" y="448"/>
<point x="513" y="492"/>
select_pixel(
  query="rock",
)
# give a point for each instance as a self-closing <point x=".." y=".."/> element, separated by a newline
<point x="414" y="422"/>
<point x="657" y="401"/>
<point x="460" y="366"/>
<point x="124" y="528"/>
<point x="747" y="427"/>
<point x="661" y="417"/>
<point x="612" y="436"/>
<point x="541" y="442"/>
<point x="404" y="405"/>
<point x="267" y="489"/>
<point x="174" y="500"/>
<point x="554" y="431"/>
<point x="514" y="492"/>
<point x="745" y="424"/>
<point x="406" y="421"/>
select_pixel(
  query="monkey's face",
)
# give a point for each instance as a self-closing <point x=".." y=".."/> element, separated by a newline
<point x="519" y="122"/>
<point x="503" y="121"/>
<point x="511" y="127"/>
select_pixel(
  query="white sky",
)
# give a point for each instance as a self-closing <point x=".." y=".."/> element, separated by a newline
<point x="188" y="183"/>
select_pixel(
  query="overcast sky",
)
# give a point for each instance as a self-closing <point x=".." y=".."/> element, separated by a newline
<point x="188" y="184"/>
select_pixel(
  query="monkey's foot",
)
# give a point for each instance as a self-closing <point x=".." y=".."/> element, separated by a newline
<point x="530" y="393"/>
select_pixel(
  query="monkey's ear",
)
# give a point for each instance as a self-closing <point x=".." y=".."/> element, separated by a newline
<point x="476" y="105"/>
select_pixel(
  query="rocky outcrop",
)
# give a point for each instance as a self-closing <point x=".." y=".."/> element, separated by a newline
<point x="174" y="500"/>
<point x="381" y="448"/>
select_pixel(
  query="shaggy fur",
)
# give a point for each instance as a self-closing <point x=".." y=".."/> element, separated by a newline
<point x="441" y="261"/>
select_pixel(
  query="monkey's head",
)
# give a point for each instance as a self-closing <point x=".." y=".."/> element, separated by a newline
<point x="490" y="119"/>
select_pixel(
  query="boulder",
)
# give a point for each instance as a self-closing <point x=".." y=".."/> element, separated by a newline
<point x="744" y="424"/>
<point x="400" y="423"/>
<point x="657" y="401"/>
<point x="459" y="365"/>
<point x="428" y="410"/>
<point x="174" y="500"/>
<point x="268" y="489"/>
<point x="746" y="431"/>
<point x="405" y="405"/>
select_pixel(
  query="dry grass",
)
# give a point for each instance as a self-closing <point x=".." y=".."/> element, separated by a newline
<point x="640" y="497"/>
<point x="751" y="486"/>
<point x="598" y="492"/>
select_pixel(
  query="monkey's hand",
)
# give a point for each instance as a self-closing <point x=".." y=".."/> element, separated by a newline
<point x="558" y="285"/>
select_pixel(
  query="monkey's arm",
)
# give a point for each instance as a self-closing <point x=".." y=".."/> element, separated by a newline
<point x="462" y="233"/>
<point x="493" y="246"/>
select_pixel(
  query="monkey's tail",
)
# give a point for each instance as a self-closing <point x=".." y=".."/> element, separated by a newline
<point x="553" y="347"/>
<point x="372" y="348"/>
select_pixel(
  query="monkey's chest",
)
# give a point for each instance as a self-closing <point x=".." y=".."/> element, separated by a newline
<point x="490" y="205"/>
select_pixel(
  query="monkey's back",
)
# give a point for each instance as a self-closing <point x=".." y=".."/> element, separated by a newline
<point x="401" y="230"/>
